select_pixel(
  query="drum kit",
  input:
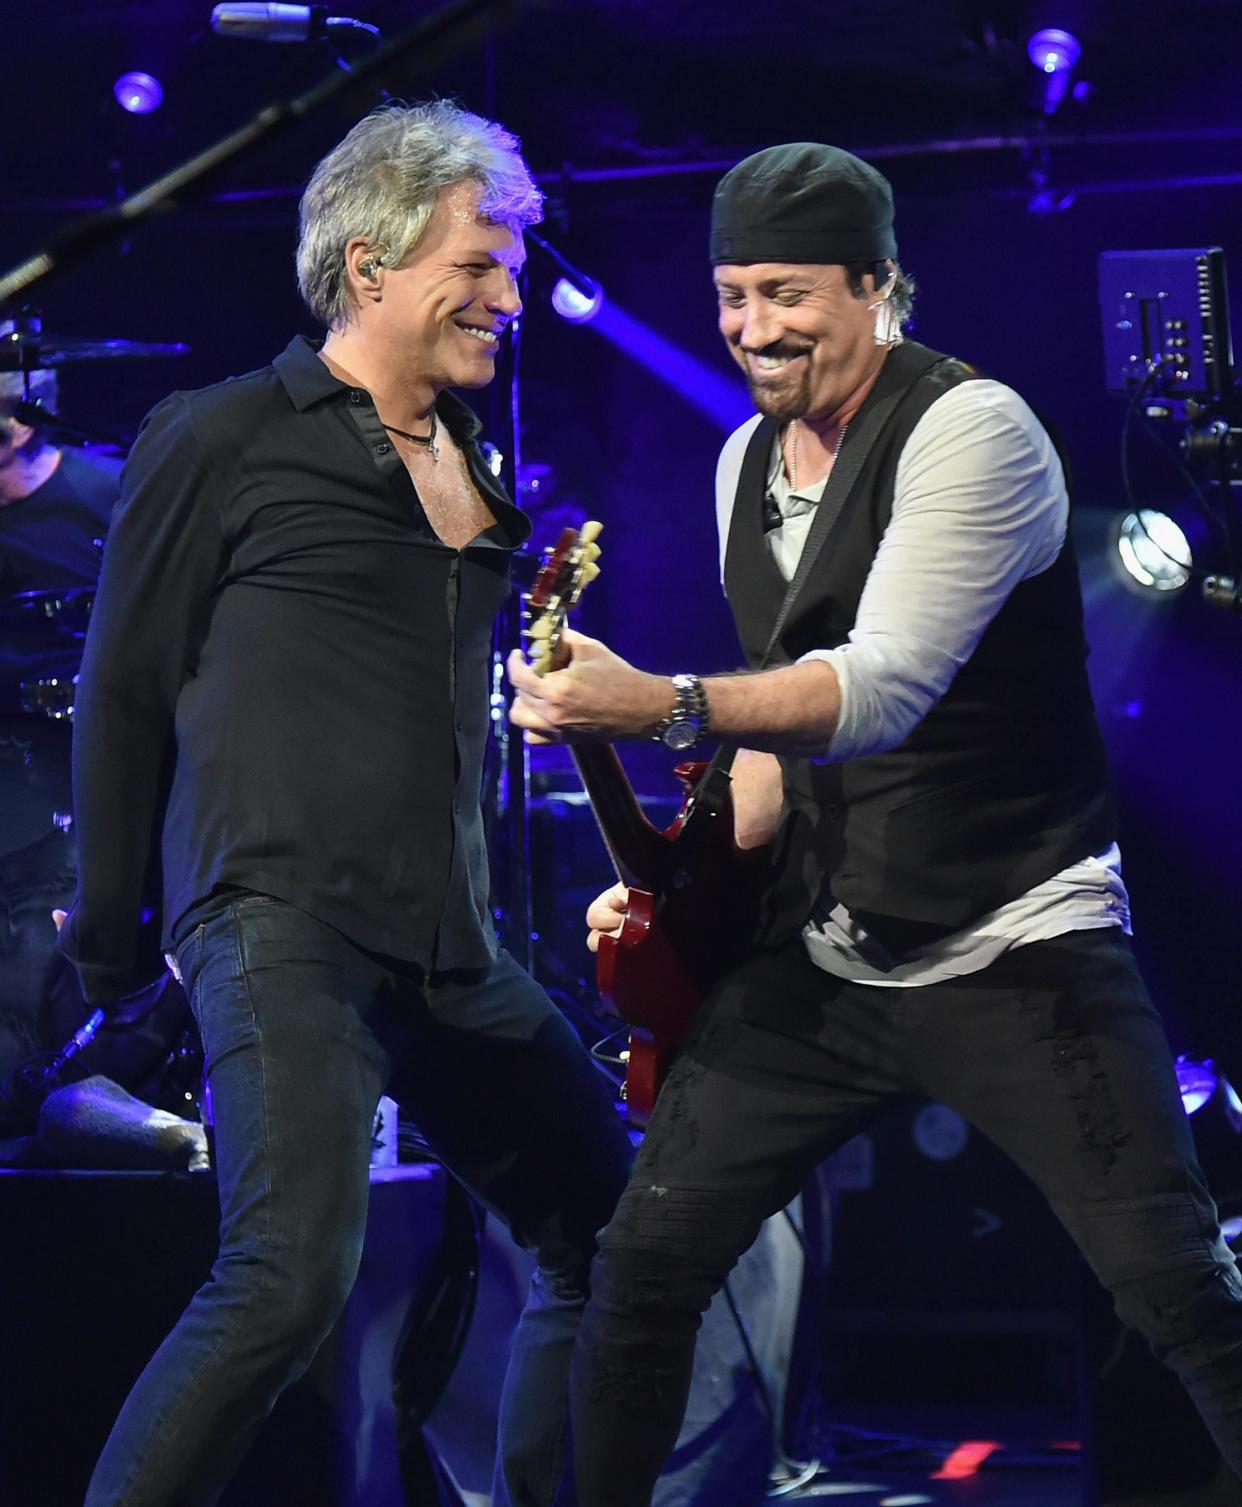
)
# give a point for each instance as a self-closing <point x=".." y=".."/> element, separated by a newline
<point x="42" y="630"/>
<point x="45" y="617"/>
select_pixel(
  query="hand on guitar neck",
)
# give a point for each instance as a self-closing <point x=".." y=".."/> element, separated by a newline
<point x="610" y="699"/>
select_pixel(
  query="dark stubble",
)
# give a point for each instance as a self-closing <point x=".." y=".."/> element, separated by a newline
<point x="786" y="401"/>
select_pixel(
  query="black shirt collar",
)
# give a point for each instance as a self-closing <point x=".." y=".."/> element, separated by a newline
<point x="308" y="381"/>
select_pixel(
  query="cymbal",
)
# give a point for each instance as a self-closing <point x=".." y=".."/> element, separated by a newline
<point x="26" y="351"/>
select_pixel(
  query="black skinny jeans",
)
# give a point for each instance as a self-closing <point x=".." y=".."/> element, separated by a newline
<point x="303" y="1032"/>
<point x="1055" y="1052"/>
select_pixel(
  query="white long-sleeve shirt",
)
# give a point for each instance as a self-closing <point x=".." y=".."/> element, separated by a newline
<point x="979" y="505"/>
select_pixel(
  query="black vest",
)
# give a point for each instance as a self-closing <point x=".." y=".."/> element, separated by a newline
<point x="1003" y="783"/>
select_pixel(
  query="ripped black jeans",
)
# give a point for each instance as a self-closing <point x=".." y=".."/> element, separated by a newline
<point x="1055" y="1052"/>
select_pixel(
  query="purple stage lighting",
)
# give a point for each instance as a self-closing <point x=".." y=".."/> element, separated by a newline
<point x="1197" y="1082"/>
<point x="720" y="396"/>
<point x="577" y="304"/>
<point x="575" y="296"/>
<point x="139" y="93"/>
<point x="1053" y="50"/>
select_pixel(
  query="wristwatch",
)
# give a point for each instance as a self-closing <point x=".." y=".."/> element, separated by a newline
<point x="687" y="723"/>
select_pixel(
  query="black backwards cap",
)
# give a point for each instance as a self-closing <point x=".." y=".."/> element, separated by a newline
<point x="803" y="202"/>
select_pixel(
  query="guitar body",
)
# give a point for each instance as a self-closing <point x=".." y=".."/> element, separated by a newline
<point x="679" y="936"/>
<point x="693" y="896"/>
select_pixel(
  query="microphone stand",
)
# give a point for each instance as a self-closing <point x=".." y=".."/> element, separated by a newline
<point x="64" y="431"/>
<point x="432" y="41"/>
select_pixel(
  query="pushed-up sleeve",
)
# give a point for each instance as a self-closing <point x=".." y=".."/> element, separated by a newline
<point x="979" y="506"/>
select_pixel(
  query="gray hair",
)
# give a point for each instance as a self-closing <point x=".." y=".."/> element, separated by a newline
<point x="382" y="181"/>
<point x="902" y="296"/>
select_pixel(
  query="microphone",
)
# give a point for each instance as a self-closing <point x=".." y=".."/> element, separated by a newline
<point x="280" y="23"/>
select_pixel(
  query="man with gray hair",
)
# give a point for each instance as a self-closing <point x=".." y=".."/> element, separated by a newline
<point x="295" y="616"/>
<point x="947" y="917"/>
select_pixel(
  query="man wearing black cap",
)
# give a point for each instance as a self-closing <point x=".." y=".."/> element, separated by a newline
<point x="947" y="916"/>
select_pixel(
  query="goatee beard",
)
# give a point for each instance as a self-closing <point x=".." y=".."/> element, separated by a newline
<point x="781" y="404"/>
<point x="781" y="407"/>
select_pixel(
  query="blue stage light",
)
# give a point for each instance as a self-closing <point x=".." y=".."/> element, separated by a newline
<point x="577" y="304"/>
<point x="1197" y="1082"/>
<point x="139" y="93"/>
<point x="1053" y="50"/>
<point x="1154" y="551"/>
<point x="575" y="296"/>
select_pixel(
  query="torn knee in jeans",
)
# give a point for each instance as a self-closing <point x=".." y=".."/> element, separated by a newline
<point x="657" y="1224"/>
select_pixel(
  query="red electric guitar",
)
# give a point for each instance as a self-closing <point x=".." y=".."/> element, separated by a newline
<point x="690" y="903"/>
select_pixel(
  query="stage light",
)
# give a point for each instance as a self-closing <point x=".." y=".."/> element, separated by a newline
<point x="1154" y="552"/>
<point x="1055" y="53"/>
<point x="577" y="304"/>
<point x="1215" y="1109"/>
<point x="575" y="297"/>
<point x="139" y="93"/>
<point x="580" y="300"/>
<point x="1053" y="50"/>
<point x="1197" y="1082"/>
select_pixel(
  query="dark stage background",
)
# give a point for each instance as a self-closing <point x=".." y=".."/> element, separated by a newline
<point x="629" y="111"/>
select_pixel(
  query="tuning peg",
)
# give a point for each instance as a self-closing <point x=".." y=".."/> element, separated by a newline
<point x="589" y="572"/>
<point x="589" y="531"/>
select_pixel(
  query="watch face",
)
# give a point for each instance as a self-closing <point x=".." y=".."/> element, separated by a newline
<point x="680" y="734"/>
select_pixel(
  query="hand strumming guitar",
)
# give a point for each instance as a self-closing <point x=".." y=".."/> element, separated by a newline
<point x="605" y="915"/>
<point x="756" y="814"/>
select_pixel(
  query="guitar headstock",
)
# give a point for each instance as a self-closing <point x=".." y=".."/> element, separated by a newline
<point x="569" y="568"/>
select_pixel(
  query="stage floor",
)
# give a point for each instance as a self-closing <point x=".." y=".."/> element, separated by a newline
<point x="909" y="1456"/>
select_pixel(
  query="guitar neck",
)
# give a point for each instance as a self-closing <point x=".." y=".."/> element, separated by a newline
<point x="638" y="851"/>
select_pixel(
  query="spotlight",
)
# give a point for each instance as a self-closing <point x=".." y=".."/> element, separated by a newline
<point x="578" y="305"/>
<point x="1216" y="1123"/>
<point x="139" y="93"/>
<point x="576" y="297"/>
<point x="1055" y="53"/>
<point x="1053" y="50"/>
<point x="1197" y="1082"/>
<point x="1154" y="551"/>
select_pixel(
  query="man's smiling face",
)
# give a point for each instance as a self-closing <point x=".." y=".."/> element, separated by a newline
<point x="449" y="302"/>
<point x="802" y="337"/>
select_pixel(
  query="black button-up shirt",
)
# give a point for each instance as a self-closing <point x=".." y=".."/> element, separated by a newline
<point x="276" y="614"/>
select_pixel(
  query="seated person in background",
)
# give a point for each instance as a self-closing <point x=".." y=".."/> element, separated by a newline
<point x="56" y="502"/>
<point x="54" y="506"/>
